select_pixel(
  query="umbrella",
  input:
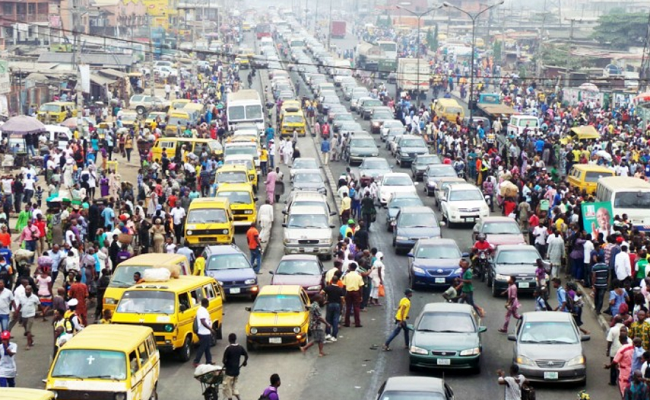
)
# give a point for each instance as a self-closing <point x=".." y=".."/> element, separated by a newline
<point x="73" y="122"/>
<point x="22" y="125"/>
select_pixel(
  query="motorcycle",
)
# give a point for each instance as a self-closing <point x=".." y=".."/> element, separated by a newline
<point x="489" y="201"/>
<point x="481" y="265"/>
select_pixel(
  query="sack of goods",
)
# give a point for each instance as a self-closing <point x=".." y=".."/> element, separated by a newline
<point x="174" y="270"/>
<point x="156" y="275"/>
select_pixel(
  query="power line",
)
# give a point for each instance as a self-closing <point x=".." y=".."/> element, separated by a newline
<point x="295" y="63"/>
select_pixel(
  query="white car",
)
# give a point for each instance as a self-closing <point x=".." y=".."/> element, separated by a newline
<point x="165" y="72"/>
<point x="395" y="182"/>
<point x="462" y="203"/>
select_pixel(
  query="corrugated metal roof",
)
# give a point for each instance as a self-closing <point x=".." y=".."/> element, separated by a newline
<point x="101" y="80"/>
<point x="113" y="73"/>
<point x="123" y="60"/>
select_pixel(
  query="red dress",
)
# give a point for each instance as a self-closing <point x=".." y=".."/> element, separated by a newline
<point x="79" y="291"/>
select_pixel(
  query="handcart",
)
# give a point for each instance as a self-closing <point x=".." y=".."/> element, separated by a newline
<point x="210" y="376"/>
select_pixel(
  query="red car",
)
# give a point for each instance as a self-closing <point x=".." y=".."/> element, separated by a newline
<point x="305" y="270"/>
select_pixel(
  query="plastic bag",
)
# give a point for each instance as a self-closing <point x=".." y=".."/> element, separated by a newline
<point x="382" y="291"/>
<point x="156" y="275"/>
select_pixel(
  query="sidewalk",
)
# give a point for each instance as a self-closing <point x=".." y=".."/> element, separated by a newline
<point x="586" y="297"/>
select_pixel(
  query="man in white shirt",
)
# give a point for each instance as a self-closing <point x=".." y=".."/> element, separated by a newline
<point x="540" y="233"/>
<point x="265" y="221"/>
<point x="6" y="298"/>
<point x="204" y="332"/>
<point x="178" y="214"/>
<point x="27" y="306"/>
<point x="588" y="248"/>
<point x="622" y="265"/>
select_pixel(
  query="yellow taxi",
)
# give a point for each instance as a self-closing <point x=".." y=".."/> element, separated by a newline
<point x="279" y="317"/>
<point x="152" y="116"/>
<point x="209" y="221"/>
<point x="178" y="104"/>
<point x="174" y="146"/>
<point x="292" y="120"/>
<point x="243" y="57"/>
<point x="242" y="202"/>
<point x="580" y="134"/>
<point x="128" y="117"/>
<point x="448" y="109"/>
<point x="585" y="176"/>
<point x="14" y="393"/>
<point x="232" y="174"/>
<point x="248" y="162"/>
<point x="118" y="362"/>
<point x="169" y="308"/>
<point x="56" y="112"/>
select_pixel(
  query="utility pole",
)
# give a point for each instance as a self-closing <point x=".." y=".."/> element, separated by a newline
<point x="329" y="28"/>
<point x="644" y="72"/>
<point x="152" y="79"/>
<point x="76" y="26"/>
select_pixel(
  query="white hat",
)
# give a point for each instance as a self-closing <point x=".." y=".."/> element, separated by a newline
<point x="379" y="255"/>
<point x="73" y="302"/>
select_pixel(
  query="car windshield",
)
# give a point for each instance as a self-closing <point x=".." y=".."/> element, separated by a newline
<point x="250" y="150"/>
<point x="465" y="195"/>
<point x="527" y="257"/>
<point x="123" y="275"/>
<point x="417" y="220"/>
<point x="207" y="216"/>
<point x="501" y="228"/>
<point x="305" y="221"/>
<point x="279" y="303"/>
<point x="451" y="322"/>
<point x="219" y="262"/>
<point x="441" y="171"/>
<point x="548" y="332"/>
<point x="425" y="160"/>
<point x="397" y="181"/>
<point x="372" y="103"/>
<point x="344" y="117"/>
<point x="50" y="108"/>
<point x="382" y="115"/>
<point x="146" y="302"/>
<point x="305" y="163"/>
<point x="236" y="197"/>
<point x="438" y="252"/>
<point x="362" y="143"/>
<point x="247" y="163"/>
<point x="375" y="164"/>
<point x="404" y="202"/>
<point x="412" y="143"/>
<point x="307" y="177"/>
<point x="410" y="395"/>
<point x="298" y="267"/>
<point x="90" y="364"/>
<point x="232" y="177"/>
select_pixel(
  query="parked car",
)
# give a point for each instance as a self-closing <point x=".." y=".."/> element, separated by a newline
<point x="415" y="388"/>
<point x="548" y="348"/>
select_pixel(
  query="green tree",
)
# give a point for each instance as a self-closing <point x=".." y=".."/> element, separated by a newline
<point x="432" y="38"/>
<point x="621" y="30"/>
<point x="496" y="50"/>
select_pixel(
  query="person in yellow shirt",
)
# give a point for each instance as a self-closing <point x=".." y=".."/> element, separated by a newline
<point x="264" y="159"/>
<point x="346" y="206"/>
<point x="199" y="266"/>
<point x="401" y="316"/>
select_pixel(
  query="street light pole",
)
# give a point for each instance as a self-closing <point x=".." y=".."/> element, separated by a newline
<point x="474" y="18"/>
<point x="417" y="51"/>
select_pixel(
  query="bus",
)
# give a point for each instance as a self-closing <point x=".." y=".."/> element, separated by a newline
<point x="245" y="106"/>
<point x="388" y="62"/>
<point x="627" y="195"/>
<point x="263" y="30"/>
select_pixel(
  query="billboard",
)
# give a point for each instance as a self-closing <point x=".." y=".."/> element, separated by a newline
<point x="598" y="218"/>
<point x="5" y="79"/>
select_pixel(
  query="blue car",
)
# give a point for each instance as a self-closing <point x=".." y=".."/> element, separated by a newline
<point x="413" y="223"/>
<point x="434" y="263"/>
<point x="232" y="269"/>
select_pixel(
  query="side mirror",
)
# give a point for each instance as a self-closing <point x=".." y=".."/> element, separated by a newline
<point x="512" y="337"/>
<point x="248" y="309"/>
<point x="416" y="183"/>
<point x="585" y="338"/>
<point x="284" y="225"/>
<point x="254" y="198"/>
<point x="285" y="212"/>
<point x="271" y="272"/>
<point x="482" y="329"/>
<point x="410" y="255"/>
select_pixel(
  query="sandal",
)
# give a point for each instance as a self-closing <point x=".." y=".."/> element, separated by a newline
<point x="386" y="348"/>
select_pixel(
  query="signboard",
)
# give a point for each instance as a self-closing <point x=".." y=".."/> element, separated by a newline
<point x="84" y="71"/>
<point x="5" y="78"/>
<point x="598" y="218"/>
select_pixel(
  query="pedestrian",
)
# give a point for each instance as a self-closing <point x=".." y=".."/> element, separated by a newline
<point x="6" y="299"/>
<point x="7" y="360"/>
<point x="269" y="183"/>
<point x="638" y="389"/>
<point x="265" y="221"/>
<point x="317" y="325"/>
<point x="368" y="211"/>
<point x="271" y="392"/>
<point x="27" y="306"/>
<point x="353" y="285"/>
<point x="401" y="316"/>
<point x="255" y="247"/>
<point x="204" y="332"/>
<point x="560" y="293"/>
<point x="231" y="358"/>
<point x="325" y="150"/>
<point x="513" y="382"/>
<point x="335" y="302"/>
<point x="467" y="287"/>
<point x="599" y="281"/>
<point x="512" y="304"/>
<point x="615" y="333"/>
<point x="79" y="291"/>
<point x="623" y="362"/>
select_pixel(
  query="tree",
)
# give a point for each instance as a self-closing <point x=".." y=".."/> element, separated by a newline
<point x="432" y="38"/>
<point x="621" y="30"/>
<point x="496" y="50"/>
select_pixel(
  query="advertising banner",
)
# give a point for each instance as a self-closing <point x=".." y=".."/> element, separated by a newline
<point x="598" y="218"/>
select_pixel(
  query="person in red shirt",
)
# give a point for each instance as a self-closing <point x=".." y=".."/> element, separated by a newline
<point x="255" y="248"/>
<point x="42" y="230"/>
<point x="533" y="222"/>
<point x="482" y="244"/>
<point x="5" y="236"/>
<point x="172" y="200"/>
<point x="509" y="206"/>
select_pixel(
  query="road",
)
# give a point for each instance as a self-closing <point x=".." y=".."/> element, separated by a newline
<point x="355" y="366"/>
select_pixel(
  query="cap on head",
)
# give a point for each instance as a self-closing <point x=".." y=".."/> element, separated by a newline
<point x="408" y="291"/>
<point x="350" y="221"/>
<point x="73" y="303"/>
<point x="5" y="335"/>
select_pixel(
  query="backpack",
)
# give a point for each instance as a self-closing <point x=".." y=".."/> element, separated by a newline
<point x="195" y="326"/>
<point x="527" y="392"/>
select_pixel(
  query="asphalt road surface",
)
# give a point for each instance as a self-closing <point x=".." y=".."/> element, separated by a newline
<point x="355" y="366"/>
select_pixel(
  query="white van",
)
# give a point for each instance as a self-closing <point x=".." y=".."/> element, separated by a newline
<point x="518" y="123"/>
<point x="59" y="134"/>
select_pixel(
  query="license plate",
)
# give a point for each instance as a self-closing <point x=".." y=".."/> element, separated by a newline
<point x="524" y="285"/>
<point x="469" y="219"/>
<point x="550" y="375"/>
<point x="443" y="361"/>
<point x="309" y="250"/>
<point x="440" y="280"/>
<point x="235" y="291"/>
<point x="275" y="340"/>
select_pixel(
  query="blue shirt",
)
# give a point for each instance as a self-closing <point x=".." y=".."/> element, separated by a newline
<point x="108" y="215"/>
<point x="325" y="146"/>
<point x="561" y="298"/>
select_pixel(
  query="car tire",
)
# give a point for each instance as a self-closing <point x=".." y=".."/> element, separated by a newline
<point x="154" y="394"/>
<point x="185" y="351"/>
<point x="494" y="290"/>
<point x="477" y="370"/>
<point x="250" y="346"/>
<point x="140" y="110"/>
<point x="412" y="284"/>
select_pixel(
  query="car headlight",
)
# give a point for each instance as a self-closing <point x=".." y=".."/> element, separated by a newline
<point x="169" y="328"/>
<point x="188" y="233"/>
<point x="579" y="360"/>
<point x="354" y="153"/>
<point x="458" y="271"/>
<point x="296" y="329"/>
<point x="249" y="281"/>
<point x="108" y="300"/>
<point x="254" y="331"/>
<point x="290" y="241"/>
<point x="374" y="155"/>
<point x="401" y="238"/>
<point x="523" y="360"/>
<point x="471" y="352"/>
<point x="418" y="270"/>
<point x="120" y="396"/>
<point x="375" y="124"/>
<point x="500" y="277"/>
<point x="418" y="350"/>
<point x="224" y="232"/>
<point x="249" y="212"/>
<point x="316" y="287"/>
